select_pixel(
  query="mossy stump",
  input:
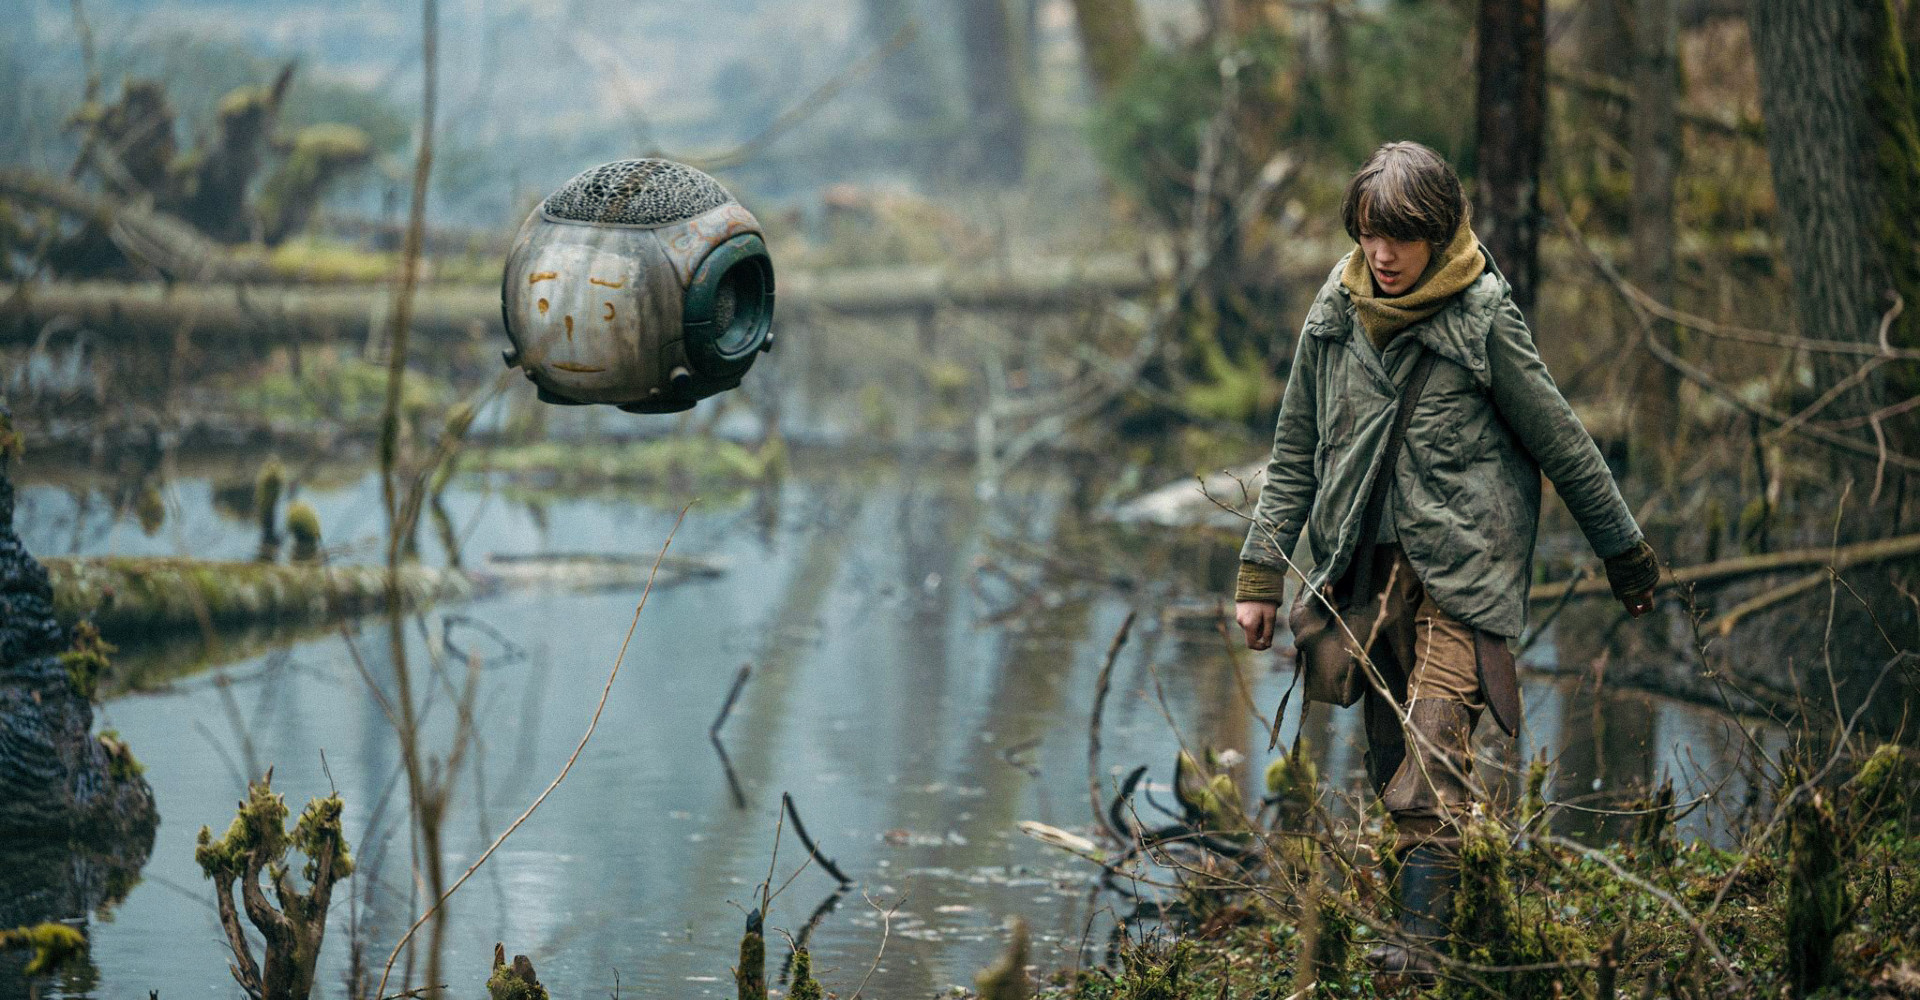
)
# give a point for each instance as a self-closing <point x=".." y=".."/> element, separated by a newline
<point x="513" y="982"/>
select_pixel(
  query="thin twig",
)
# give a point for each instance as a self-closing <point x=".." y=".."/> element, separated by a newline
<point x="886" y="931"/>
<point x="592" y="724"/>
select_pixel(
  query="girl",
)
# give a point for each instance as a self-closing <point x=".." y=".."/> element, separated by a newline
<point x="1442" y="543"/>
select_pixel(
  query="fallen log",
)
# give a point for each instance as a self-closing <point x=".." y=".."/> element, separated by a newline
<point x="130" y="598"/>
<point x="1728" y="570"/>
<point x="147" y="235"/>
<point x="217" y="313"/>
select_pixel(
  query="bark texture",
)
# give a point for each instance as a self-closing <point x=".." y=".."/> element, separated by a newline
<point x="1511" y="102"/>
<point x="57" y="780"/>
<point x="1838" y="99"/>
<point x="1656" y="158"/>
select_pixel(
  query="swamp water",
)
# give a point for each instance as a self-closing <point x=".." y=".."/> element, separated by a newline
<point x="923" y="669"/>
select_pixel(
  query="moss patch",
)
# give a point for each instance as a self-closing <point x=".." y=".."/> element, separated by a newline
<point x="53" y="945"/>
<point x="676" y="463"/>
<point x="87" y="661"/>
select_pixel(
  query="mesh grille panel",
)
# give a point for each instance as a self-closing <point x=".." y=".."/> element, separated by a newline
<point x="637" y="193"/>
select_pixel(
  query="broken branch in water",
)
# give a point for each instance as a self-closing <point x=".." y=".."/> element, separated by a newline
<point x="733" y="780"/>
<point x="800" y="830"/>
<point x="1093" y="726"/>
<point x="733" y="695"/>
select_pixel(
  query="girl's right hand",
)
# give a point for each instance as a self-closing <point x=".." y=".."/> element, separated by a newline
<point x="1256" y="619"/>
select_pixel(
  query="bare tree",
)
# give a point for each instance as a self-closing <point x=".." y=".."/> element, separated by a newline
<point x="912" y="77"/>
<point x="1656" y="155"/>
<point x="1512" y="101"/>
<point x="993" y="44"/>
<point x="1841" y="140"/>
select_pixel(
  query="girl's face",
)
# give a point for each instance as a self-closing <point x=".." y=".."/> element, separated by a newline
<point x="1396" y="264"/>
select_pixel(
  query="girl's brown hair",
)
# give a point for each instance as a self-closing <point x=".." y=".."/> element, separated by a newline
<point x="1404" y="191"/>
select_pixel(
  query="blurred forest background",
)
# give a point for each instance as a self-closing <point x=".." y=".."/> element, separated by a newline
<point x="1038" y="259"/>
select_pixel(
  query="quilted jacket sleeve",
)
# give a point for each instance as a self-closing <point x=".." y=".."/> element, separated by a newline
<point x="1538" y="414"/>
<point x="1287" y="496"/>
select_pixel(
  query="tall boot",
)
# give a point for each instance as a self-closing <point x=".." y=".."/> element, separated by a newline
<point x="1428" y="875"/>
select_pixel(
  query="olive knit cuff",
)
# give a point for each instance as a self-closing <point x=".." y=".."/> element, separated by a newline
<point x="1260" y="582"/>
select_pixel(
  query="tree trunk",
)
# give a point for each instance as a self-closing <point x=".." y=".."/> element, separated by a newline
<point x="1110" y="40"/>
<point x="1511" y="105"/>
<point x="993" y="44"/>
<point x="1841" y="141"/>
<point x="1656" y="154"/>
<point x="912" y="77"/>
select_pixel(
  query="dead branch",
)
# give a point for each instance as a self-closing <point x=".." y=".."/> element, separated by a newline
<point x="813" y="849"/>
<point x="733" y="695"/>
<point x="1704" y="380"/>
<point x="1101" y="687"/>
<point x="1728" y="570"/>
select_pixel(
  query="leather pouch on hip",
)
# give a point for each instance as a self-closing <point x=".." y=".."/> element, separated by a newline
<point x="1327" y="661"/>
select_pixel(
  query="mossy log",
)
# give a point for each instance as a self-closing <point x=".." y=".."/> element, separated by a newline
<point x="128" y="597"/>
<point x="236" y="314"/>
<point x="132" y="596"/>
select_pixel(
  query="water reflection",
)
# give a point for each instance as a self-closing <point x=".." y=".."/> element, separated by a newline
<point x="913" y="705"/>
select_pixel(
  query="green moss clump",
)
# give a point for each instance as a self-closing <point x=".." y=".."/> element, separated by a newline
<point x="1753" y="525"/>
<point x="303" y="524"/>
<point x="1212" y="803"/>
<point x="53" y="945"/>
<point x="257" y="828"/>
<point x="1494" y="925"/>
<point x="1294" y="776"/>
<point x="347" y="390"/>
<point x="1533" y="801"/>
<point x="87" y="661"/>
<point x="267" y="487"/>
<point x="1883" y="789"/>
<point x="11" y="445"/>
<point x="515" y="982"/>
<point x="803" y="985"/>
<point x="150" y="510"/>
<point x="751" y="976"/>
<point x="320" y="154"/>
<point x="1235" y="389"/>
<point x="317" y="832"/>
<point x="1006" y="979"/>
<point x="690" y="462"/>
<point x="121" y="763"/>
<point x="1149" y="976"/>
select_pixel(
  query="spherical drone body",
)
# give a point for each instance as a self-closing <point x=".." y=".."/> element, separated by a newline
<point x="640" y="283"/>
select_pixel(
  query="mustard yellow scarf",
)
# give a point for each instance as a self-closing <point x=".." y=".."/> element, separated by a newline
<point x="1449" y="273"/>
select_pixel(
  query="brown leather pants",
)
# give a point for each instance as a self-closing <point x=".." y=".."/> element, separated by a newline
<point x="1421" y="763"/>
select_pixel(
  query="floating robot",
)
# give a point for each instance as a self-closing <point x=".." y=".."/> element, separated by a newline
<point x="641" y="283"/>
